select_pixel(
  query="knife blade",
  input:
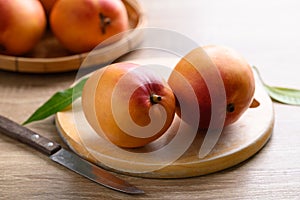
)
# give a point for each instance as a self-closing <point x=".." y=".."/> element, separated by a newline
<point x="64" y="157"/>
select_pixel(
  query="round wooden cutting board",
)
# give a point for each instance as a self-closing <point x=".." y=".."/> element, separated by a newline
<point x="172" y="155"/>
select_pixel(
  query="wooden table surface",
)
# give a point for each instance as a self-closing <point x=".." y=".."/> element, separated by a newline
<point x="265" y="32"/>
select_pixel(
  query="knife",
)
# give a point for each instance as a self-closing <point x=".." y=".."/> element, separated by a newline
<point x="64" y="157"/>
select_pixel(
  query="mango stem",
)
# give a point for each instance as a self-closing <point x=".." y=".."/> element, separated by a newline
<point x="105" y="21"/>
<point x="154" y="98"/>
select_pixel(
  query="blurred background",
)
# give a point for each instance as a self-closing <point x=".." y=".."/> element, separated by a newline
<point x="265" y="32"/>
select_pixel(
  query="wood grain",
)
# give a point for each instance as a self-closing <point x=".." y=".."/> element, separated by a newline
<point x="27" y="136"/>
<point x="266" y="32"/>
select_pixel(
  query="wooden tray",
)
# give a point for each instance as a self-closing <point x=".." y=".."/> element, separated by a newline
<point x="49" y="56"/>
<point x="237" y="143"/>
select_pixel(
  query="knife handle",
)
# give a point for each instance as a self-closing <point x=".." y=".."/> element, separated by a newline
<point x="23" y="134"/>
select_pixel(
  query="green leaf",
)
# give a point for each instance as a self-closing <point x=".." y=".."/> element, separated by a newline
<point x="59" y="101"/>
<point x="284" y="95"/>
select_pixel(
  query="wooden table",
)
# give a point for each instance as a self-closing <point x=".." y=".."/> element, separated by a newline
<point x="265" y="32"/>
